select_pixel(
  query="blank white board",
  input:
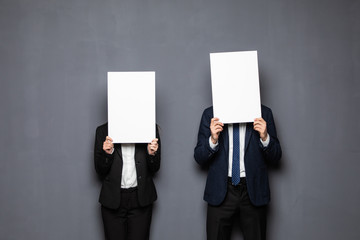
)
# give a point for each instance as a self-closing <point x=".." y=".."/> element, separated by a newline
<point x="235" y="86"/>
<point x="131" y="107"/>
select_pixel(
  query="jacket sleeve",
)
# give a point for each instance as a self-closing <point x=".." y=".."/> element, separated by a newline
<point x="153" y="161"/>
<point x="203" y="153"/>
<point x="272" y="152"/>
<point x="102" y="160"/>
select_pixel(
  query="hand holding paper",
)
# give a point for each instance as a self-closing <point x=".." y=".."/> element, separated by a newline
<point x="216" y="128"/>
<point x="153" y="146"/>
<point x="260" y="126"/>
<point x="108" y="145"/>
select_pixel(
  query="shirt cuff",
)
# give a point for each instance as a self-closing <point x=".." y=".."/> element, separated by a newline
<point x="112" y="151"/>
<point x="212" y="145"/>
<point x="266" y="142"/>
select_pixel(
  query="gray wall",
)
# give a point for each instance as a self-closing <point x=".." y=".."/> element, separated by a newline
<point x="54" y="56"/>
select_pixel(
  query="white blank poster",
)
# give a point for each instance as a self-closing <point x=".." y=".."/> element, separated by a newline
<point x="235" y="86"/>
<point x="131" y="107"/>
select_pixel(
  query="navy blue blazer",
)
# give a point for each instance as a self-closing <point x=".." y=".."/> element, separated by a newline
<point x="256" y="159"/>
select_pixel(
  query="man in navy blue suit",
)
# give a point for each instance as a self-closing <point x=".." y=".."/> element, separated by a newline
<point x="237" y="156"/>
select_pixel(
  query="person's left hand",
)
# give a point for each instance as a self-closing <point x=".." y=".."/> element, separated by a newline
<point x="108" y="145"/>
<point x="260" y="126"/>
<point x="153" y="146"/>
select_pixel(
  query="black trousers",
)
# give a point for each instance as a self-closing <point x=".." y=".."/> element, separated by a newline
<point x="130" y="221"/>
<point x="220" y="218"/>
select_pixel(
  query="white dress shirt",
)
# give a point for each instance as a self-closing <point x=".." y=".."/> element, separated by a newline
<point x="128" y="176"/>
<point x="242" y="132"/>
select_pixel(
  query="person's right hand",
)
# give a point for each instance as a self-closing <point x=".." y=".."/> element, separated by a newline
<point x="108" y="145"/>
<point x="216" y="128"/>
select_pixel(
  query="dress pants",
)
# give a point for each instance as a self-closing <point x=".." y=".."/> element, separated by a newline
<point x="130" y="221"/>
<point x="220" y="218"/>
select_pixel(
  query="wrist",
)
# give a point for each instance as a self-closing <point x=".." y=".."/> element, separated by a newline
<point x="264" y="136"/>
<point x="213" y="140"/>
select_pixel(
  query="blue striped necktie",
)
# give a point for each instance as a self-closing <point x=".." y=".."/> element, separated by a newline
<point x="236" y="155"/>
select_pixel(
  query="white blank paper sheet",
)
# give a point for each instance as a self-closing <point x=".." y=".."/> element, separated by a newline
<point x="131" y="107"/>
<point x="235" y="86"/>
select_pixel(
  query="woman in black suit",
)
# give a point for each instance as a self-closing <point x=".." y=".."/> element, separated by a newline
<point x="128" y="190"/>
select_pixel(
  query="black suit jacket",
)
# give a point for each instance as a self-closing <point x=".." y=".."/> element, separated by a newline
<point x="109" y="168"/>
<point x="256" y="159"/>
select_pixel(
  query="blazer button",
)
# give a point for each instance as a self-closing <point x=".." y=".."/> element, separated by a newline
<point x="139" y="177"/>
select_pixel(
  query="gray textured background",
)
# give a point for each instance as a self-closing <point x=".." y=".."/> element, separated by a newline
<point x="54" y="56"/>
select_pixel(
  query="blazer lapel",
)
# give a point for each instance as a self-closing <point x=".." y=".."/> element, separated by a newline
<point x="136" y="151"/>
<point x="248" y="134"/>
<point x="118" y="151"/>
<point x="225" y="136"/>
